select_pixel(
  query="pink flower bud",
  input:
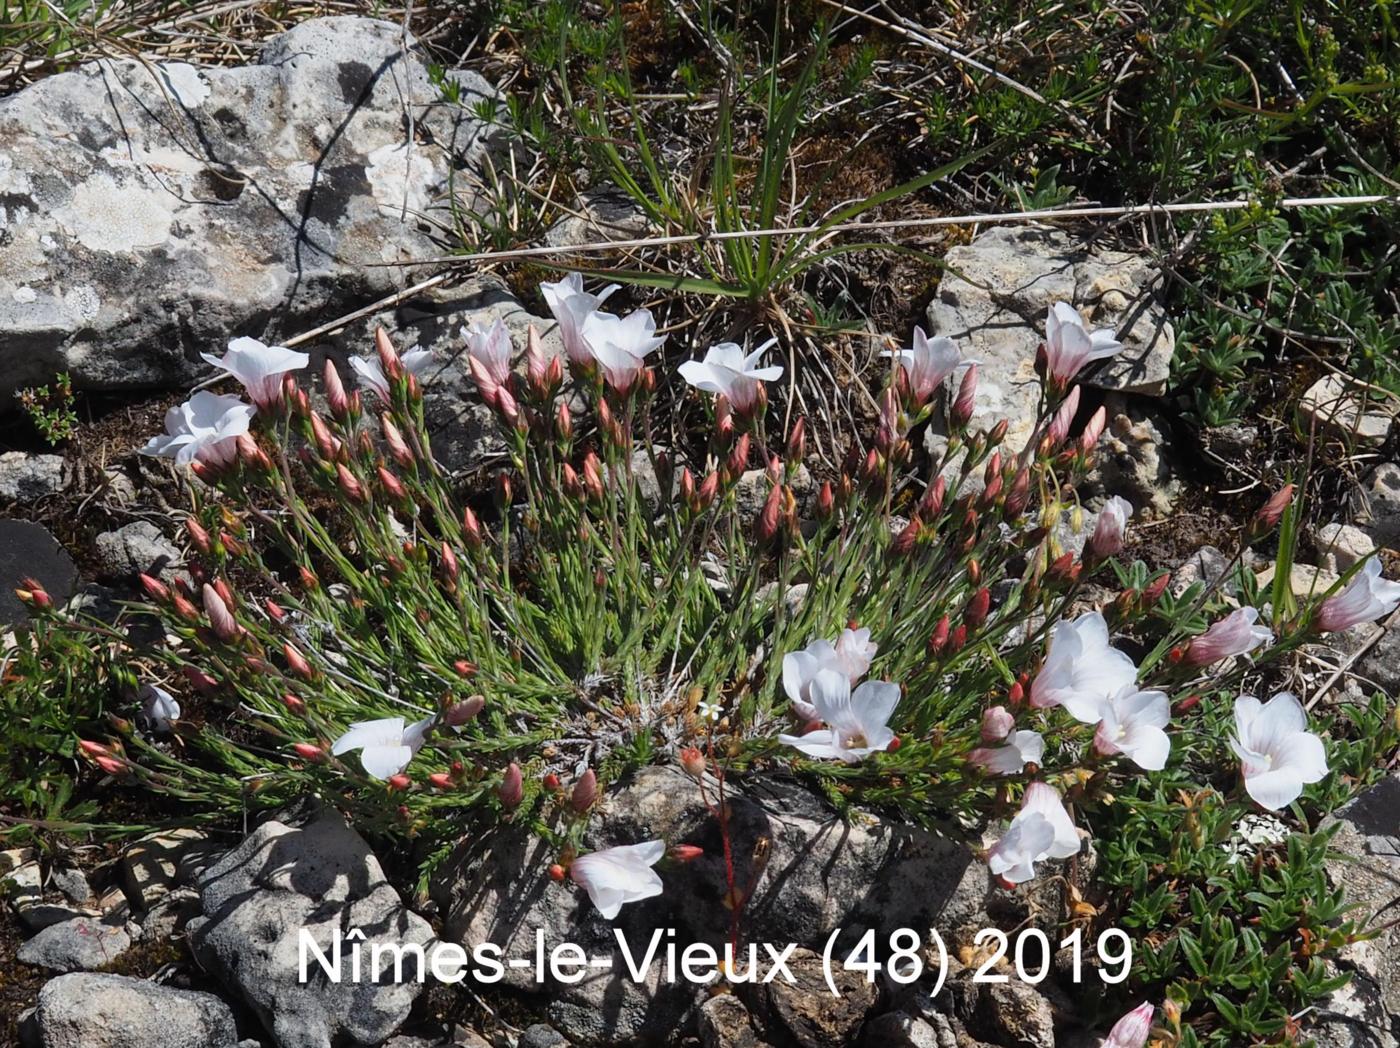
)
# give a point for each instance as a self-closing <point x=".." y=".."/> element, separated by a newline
<point x="977" y="608"/>
<point x="738" y="459"/>
<point x="796" y="442"/>
<point x="1094" y="430"/>
<point x="593" y="477"/>
<point x="326" y="444"/>
<point x="536" y="367"/>
<point x="939" y="638"/>
<point x="888" y="431"/>
<point x="399" y="781"/>
<point x="512" y="788"/>
<point x="93" y="749"/>
<point x="388" y="355"/>
<point x="1272" y="511"/>
<point x="440" y="780"/>
<point x="997" y="723"/>
<point x="451" y="571"/>
<point x="585" y="792"/>
<point x="563" y="422"/>
<point x="826" y="501"/>
<point x="296" y="661"/>
<point x="349" y="486"/>
<point x="966" y="399"/>
<point x="905" y="541"/>
<point x="1063" y="418"/>
<point x="156" y="590"/>
<point x="506" y="405"/>
<point x="395" y="442"/>
<point x="111" y="765"/>
<point x="309" y="751"/>
<point x="336" y="397"/>
<point x="1109" y="527"/>
<point x="464" y="711"/>
<point x="486" y="384"/>
<point x="770" y="516"/>
<point x="198" y="535"/>
<point x="685" y="852"/>
<point x="220" y="618"/>
<point x="709" y="489"/>
<point x="1132" y="1030"/>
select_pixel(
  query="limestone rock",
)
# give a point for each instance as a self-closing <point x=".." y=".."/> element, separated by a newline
<point x="1340" y="546"/>
<point x="1366" y="1013"/>
<point x="463" y="429"/>
<point x="152" y="210"/>
<point x="1377" y="505"/>
<point x="1337" y="407"/>
<point x="993" y="301"/>
<point x="1133" y="459"/>
<point x="321" y="878"/>
<point x="1379" y="668"/>
<point x="820" y="873"/>
<point x="28" y="478"/>
<point x="1206" y="566"/>
<point x="1305" y="581"/>
<point x="82" y="943"/>
<point x="155" y="864"/>
<point x="115" y="1011"/>
<point x="601" y="213"/>
<point x="136" y="548"/>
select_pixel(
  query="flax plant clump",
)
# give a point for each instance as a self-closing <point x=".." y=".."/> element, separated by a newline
<point x="914" y="635"/>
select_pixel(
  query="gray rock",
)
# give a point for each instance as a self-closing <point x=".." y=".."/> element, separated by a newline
<point x="1340" y="546"/>
<point x="1379" y="668"/>
<point x="115" y="1011"/>
<point x="72" y="884"/>
<point x="806" y="1010"/>
<point x="820" y="873"/>
<point x="463" y="429"/>
<point x="1232" y="444"/>
<point x="1207" y="566"/>
<point x="1367" y="1011"/>
<point x="28" y="478"/>
<point x="1015" y="1015"/>
<point x="28" y="550"/>
<point x="1133" y="459"/>
<point x="21" y="877"/>
<point x="135" y="548"/>
<point x="82" y="943"/>
<point x="154" y="209"/>
<point x="1376" y="506"/>
<point x="601" y="213"/>
<point x="1348" y="412"/>
<point x="752" y="488"/>
<point x="724" y="1023"/>
<point x="321" y="879"/>
<point x="541" y="1035"/>
<point x="901" y="1030"/>
<point x="993" y="301"/>
<point x="155" y="864"/>
<point x="169" y="915"/>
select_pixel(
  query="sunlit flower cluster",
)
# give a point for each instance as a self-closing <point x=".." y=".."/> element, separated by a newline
<point x="974" y="664"/>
